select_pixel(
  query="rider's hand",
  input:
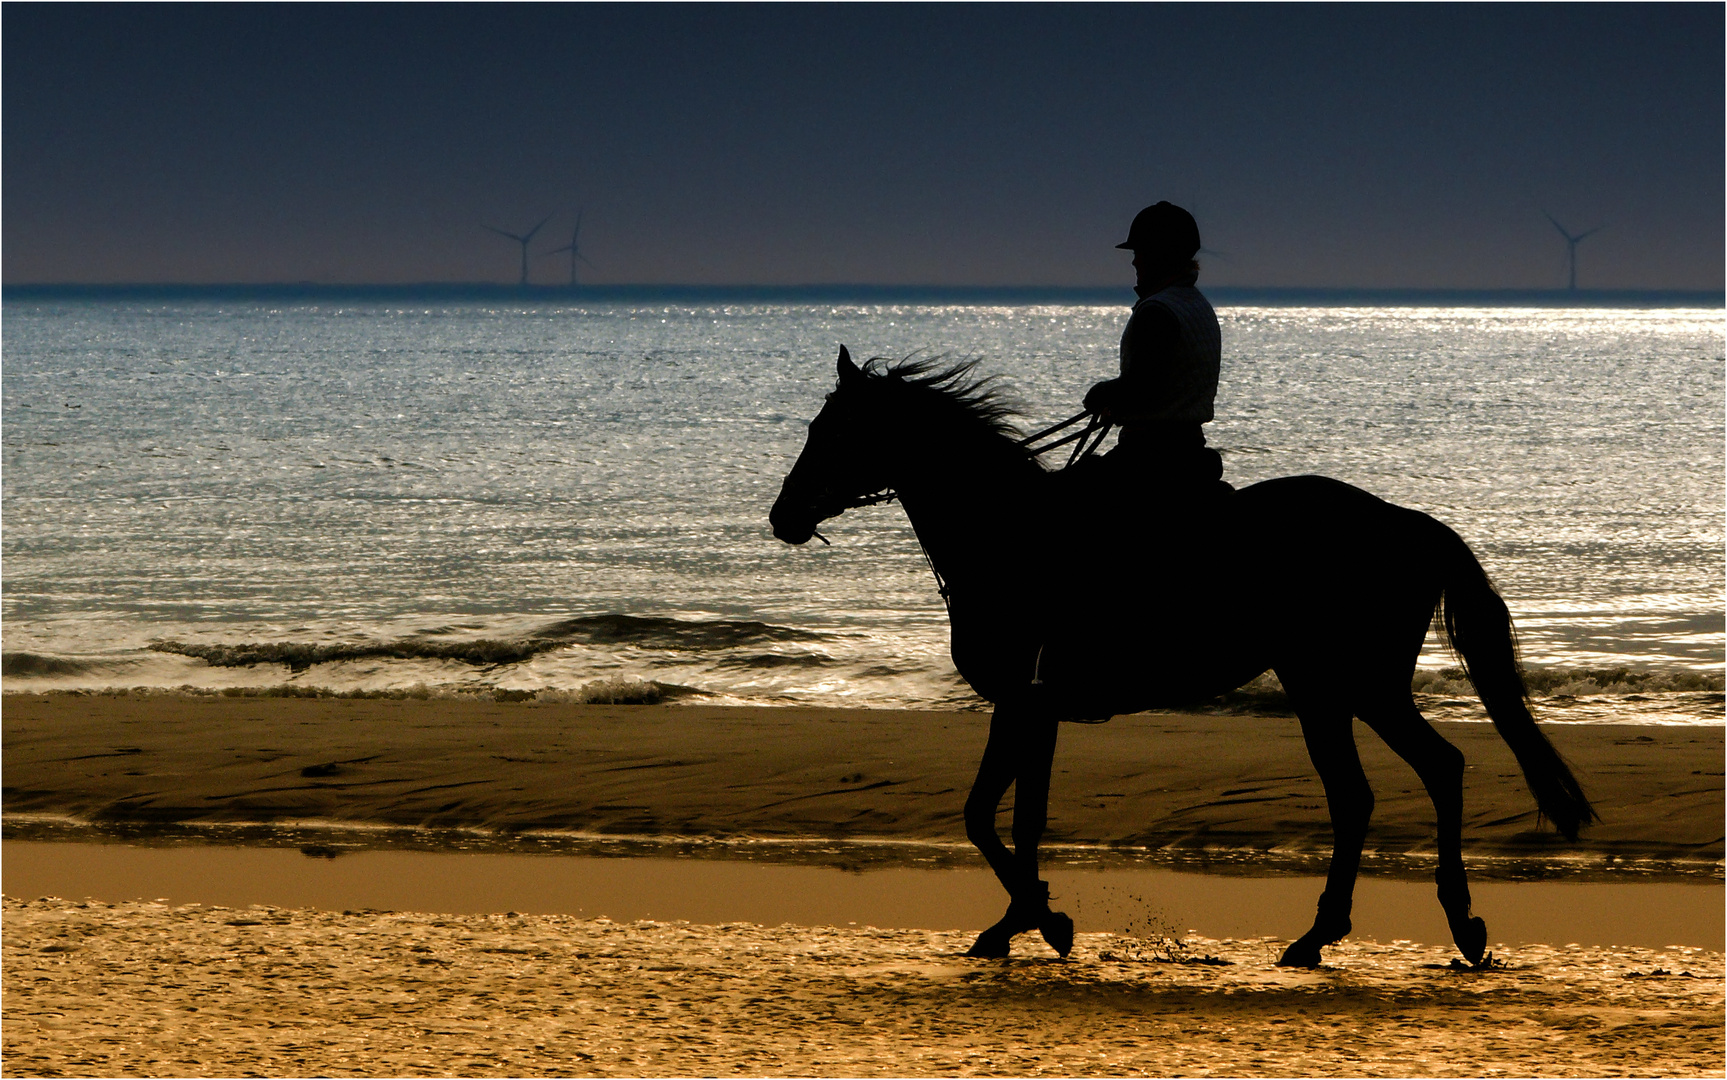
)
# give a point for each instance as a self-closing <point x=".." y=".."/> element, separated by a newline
<point x="1101" y="397"/>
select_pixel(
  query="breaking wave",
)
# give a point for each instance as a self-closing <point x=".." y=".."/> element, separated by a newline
<point x="623" y="659"/>
<point x="649" y="632"/>
<point x="619" y="690"/>
<point x="301" y="655"/>
<point x="769" y="661"/>
<point x="1448" y="694"/>
<point x="27" y="664"/>
<point x="667" y="633"/>
<point x="1578" y="681"/>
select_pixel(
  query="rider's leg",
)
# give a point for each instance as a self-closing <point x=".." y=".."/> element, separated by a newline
<point x="1395" y="718"/>
<point x="1331" y="744"/>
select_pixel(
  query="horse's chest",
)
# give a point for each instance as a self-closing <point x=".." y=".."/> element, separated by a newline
<point x="994" y="651"/>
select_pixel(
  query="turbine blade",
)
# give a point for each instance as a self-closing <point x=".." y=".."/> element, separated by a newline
<point x="1556" y="225"/>
<point x="501" y="232"/>
<point x="554" y="251"/>
<point x="540" y="226"/>
<point x="1591" y="232"/>
<point x="584" y="258"/>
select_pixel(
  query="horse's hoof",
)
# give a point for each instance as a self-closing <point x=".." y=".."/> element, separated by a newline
<point x="1471" y="938"/>
<point x="1057" y="930"/>
<point x="991" y="945"/>
<point x="1300" y="954"/>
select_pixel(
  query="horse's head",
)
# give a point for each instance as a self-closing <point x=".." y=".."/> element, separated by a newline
<point x="841" y="460"/>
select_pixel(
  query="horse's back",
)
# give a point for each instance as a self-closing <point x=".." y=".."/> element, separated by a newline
<point x="1352" y="563"/>
<point x="1310" y="508"/>
<point x="1204" y="600"/>
<point x="1280" y="555"/>
<point x="1308" y="494"/>
<point x="1214" y="553"/>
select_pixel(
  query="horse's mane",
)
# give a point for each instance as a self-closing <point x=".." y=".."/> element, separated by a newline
<point x="955" y="393"/>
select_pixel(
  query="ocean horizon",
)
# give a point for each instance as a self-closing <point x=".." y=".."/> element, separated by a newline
<point x="1221" y="295"/>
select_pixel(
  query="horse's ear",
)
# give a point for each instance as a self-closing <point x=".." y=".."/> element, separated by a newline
<point x="848" y="370"/>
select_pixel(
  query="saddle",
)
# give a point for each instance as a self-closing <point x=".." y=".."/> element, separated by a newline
<point x="1147" y="485"/>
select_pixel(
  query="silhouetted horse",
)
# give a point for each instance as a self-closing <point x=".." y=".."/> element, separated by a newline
<point x="1069" y="602"/>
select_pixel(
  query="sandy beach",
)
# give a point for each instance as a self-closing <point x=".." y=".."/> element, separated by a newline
<point x="139" y="988"/>
<point x="143" y="989"/>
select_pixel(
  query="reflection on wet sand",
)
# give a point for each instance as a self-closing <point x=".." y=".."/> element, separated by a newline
<point x="1122" y="899"/>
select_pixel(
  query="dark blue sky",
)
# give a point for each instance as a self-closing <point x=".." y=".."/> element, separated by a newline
<point x="1368" y="146"/>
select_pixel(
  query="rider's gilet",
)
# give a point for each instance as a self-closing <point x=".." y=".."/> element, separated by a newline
<point x="1181" y="383"/>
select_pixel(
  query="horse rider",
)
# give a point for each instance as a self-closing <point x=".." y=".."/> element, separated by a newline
<point x="1170" y="353"/>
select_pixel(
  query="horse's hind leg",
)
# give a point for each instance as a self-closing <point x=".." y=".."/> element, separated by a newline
<point x="1331" y="744"/>
<point x="1440" y="765"/>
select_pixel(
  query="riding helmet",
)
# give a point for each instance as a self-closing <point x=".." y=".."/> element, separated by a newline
<point x="1165" y="230"/>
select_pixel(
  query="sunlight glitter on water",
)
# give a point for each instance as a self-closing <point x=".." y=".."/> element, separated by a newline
<point x="226" y="473"/>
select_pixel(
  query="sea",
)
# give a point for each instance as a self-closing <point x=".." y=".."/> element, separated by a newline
<point x="564" y="496"/>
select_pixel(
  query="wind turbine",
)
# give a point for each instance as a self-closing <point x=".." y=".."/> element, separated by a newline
<point x="1571" y="243"/>
<point x="522" y="240"/>
<point x="574" y="247"/>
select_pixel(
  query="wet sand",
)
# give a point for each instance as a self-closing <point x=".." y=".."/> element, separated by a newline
<point x="1124" y="898"/>
<point x="1211" y="788"/>
<point x="151" y="990"/>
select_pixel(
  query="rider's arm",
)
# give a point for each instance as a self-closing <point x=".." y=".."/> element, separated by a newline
<point x="1151" y="335"/>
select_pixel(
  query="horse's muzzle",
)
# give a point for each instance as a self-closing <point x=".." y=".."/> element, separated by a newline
<point x="794" y="520"/>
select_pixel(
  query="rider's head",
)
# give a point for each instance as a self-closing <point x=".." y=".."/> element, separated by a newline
<point x="1164" y="239"/>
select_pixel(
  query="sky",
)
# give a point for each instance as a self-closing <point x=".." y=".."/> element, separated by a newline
<point x="1318" y="146"/>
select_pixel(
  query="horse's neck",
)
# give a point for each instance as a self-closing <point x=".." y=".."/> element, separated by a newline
<point x="961" y="500"/>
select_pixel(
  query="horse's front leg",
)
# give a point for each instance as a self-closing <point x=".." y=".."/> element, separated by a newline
<point x="1020" y="752"/>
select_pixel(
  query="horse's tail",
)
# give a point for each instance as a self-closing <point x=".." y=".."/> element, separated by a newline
<point x="1478" y="628"/>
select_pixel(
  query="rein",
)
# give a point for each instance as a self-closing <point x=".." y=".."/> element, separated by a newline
<point x="1087" y="445"/>
<point x="1096" y="425"/>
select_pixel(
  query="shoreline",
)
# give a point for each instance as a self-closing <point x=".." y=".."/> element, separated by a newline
<point x="1624" y="694"/>
<point x="1216" y="793"/>
<point x="335" y="839"/>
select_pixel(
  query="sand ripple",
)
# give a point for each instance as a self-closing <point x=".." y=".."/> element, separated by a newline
<point x="147" y="989"/>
